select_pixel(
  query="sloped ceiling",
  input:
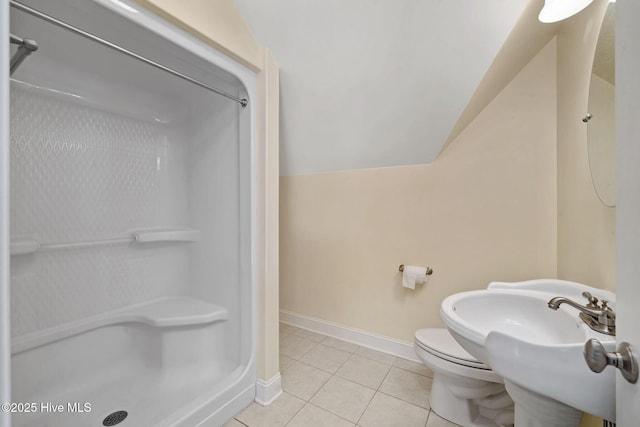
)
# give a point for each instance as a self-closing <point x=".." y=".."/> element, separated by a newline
<point x="374" y="83"/>
<point x="526" y="39"/>
<point x="604" y="59"/>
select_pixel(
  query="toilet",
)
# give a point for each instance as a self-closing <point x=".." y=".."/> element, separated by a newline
<point x="465" y="391"/>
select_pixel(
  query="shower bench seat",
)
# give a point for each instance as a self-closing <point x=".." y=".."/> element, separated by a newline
<point x="159" y="313"/>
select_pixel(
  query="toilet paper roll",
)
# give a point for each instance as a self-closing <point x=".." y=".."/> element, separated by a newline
<point x="413" y="274"/>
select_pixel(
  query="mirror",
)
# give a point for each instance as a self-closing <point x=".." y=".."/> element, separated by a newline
<point x="601" y="125"/>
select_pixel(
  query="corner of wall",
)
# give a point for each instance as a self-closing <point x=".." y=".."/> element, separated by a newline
<point x="268" y="140"/>
<point x="527" y="38"/>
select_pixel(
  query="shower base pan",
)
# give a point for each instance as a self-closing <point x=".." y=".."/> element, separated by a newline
<point x="147" y="364"/>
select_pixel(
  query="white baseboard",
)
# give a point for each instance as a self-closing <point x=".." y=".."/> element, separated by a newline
<point x="402" y="349"/>
<point x="268" y="391"/>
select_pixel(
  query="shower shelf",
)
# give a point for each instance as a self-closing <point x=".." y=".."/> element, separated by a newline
<point x="159" y="313"/>
<point x="138" y="236"/>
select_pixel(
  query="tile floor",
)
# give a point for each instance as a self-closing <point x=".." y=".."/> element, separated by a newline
<point x="333" y="383"/>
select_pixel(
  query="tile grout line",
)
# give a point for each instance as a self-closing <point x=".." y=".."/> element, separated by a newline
<point x="309" y="351"/>
<point x="335" y="374"/>
<point x="413" y="372"/>
<point x="320" y="369"/>
<point x="372" y="360"/>
<point x="374" y="395"/>
<point x="405" y="401"/>
<point x="346" y="379"/>
<point x="323" y="370"/>
<point x="331" y="412"/>
<point x="304" y="354"/>
<point x="366" y="407"/>
<point x="308" y="401"/>
<point x="355" y="382"/>
<point x="428" y="416"/>
<point x="299" y="361"/>
<point x="297" y="412"/>
<point x="319" y="388"/>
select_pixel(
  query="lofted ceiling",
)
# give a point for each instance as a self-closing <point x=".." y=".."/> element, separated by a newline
<point x="604" y="58"/>
<point x="375" y="83"/>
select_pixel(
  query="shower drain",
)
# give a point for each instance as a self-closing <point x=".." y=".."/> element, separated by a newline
<point x="114" y="418"/>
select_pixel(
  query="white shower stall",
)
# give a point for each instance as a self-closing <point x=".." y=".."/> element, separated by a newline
<point x="131" y="227"/>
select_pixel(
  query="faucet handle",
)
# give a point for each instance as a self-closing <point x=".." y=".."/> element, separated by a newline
<point x="593" y="301"/>
<point x="606" y="309"/>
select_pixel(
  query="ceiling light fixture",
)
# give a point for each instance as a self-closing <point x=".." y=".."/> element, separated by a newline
<point x="557" y="10"/>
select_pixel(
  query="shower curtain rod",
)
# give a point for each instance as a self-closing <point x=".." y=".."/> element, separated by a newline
<point x="35" y="13"/>
<point x="25" y="48"/>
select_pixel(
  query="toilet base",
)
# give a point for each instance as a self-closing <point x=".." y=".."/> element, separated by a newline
<point x="471" y="403"/>
<point x="535" y="410"/>
<point x="466" y="393"/>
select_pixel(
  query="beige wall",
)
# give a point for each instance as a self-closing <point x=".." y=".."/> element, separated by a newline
<point x="586" y="228"/>
<point x="601" y="135"/>
<point x="484" y="210"/>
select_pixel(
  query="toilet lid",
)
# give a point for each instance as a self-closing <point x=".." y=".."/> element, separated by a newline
<point x="439" y="342"/>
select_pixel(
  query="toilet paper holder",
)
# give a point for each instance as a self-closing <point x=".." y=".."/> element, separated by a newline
<point x="429" y="271"/>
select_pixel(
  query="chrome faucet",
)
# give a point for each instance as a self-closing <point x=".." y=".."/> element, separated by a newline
<point x="600" y="318"/>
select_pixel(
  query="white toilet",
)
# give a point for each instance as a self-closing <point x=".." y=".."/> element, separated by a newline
<point x="465" y="391"/>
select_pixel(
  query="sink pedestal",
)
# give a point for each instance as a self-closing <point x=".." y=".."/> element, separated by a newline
<point x="510" y="328"/>
<point x="535" y="410"/>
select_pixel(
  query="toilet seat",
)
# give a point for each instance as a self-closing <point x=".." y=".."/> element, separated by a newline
<point x="440" y="343"/>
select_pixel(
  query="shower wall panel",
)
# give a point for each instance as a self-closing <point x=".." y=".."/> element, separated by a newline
<point x="132" y="205"/>
<point x="80" y="174"/>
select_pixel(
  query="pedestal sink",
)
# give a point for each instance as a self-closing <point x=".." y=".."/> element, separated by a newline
<point x="536" y="350"/>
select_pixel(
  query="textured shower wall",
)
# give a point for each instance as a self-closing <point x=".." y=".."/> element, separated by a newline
<point x="80" y="174"/>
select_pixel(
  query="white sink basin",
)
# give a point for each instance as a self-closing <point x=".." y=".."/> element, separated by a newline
<point x="510" y="328"/>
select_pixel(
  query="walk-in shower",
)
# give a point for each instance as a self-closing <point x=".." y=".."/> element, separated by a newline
<point x="131" y="227"/>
